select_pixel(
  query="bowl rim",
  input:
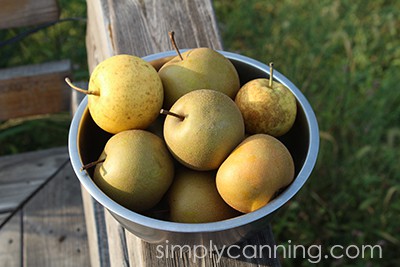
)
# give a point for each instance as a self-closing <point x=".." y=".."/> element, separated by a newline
<point x="235" y="222"/>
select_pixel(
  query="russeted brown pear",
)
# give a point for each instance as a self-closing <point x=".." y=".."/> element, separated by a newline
<point x="254" y="172"/>
<point x="137" y="169"/>
<point x="125" y="92"/>
<point x="202" y="128"/>
<point x="193" y="198"/>
<point x="268" y="107"/>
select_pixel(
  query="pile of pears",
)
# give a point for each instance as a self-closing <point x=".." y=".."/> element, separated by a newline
<point x="189" y="141"/>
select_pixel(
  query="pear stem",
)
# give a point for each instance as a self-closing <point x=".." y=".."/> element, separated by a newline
<point x="271" y="74"/>
<point x="167" y="112"/>
<point x="91" y="164"/>
<point x="172" y="38"/>
<point x="86" y="92"/>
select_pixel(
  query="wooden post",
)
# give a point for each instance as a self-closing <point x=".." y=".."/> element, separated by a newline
<point x="141" y="28"/>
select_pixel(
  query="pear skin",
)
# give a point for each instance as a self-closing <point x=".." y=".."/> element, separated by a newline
<point x="127" y="94"/>
<point x="137" y="171"/>
<point x="210" y="127"/>
<point x="200" y="68"/>
<point x="193" y="198"/>
<point x="265" y="109"/>
<point x="252" y="174"/>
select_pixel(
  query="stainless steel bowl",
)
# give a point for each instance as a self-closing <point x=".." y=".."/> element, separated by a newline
<point x="87" y="140"/>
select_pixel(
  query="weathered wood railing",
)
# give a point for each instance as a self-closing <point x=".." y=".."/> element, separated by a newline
<point x="141" y="28"/>
<point x="45" y="226"/>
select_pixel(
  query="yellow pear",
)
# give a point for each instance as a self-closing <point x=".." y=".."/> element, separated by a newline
<point x="137" y="169"/>
<point x="202" y="128"/>
<point x="193" y="198"/>
<point x="267" y="107"/>
<point x="252" y="174"/>
<point x="125" y="92"/>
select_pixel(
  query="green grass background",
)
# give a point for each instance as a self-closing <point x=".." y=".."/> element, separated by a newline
<point x="344" y="56"/>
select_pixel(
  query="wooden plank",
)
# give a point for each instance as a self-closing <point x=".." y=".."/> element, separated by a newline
<point x="135" y="247"/>
<point x="117" y="249"/>
<point x="5" y="216"/>
<point x="22" y="174"/>
<point x="10" y="242"/>
<point x="17" y="13"/>
<point x="95" y="230"/>
<point x="98" y="254"/>
<point x="99" y="45"/>
<point x="98" y="34"/>
<point x="110" y="32"/>
<point x="54" y="232"/>
<point x="244" y="254"/>
<point x="34" y="89"/>
<point x="193" y="22"/>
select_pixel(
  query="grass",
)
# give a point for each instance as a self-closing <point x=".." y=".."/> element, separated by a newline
<point x="345" y="57"/>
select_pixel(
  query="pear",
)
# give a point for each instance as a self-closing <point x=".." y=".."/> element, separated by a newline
<point x="202" y="128"/>
<point x="254" y="172"/>
<point x="135" y="169"/>
<point x="193" y="198"/>
<point x="267" y="107"/>
<point x="197" y="69"/>
<point x="125" y="92"/>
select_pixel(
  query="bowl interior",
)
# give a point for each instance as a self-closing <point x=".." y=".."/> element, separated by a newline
<point x="91" y="139"/>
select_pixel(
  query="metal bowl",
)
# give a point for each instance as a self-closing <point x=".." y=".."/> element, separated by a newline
<point x="87" y="140"/>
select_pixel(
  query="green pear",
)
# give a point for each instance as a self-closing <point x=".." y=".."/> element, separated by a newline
<point x="125" y="92"/>
<point x="202" y="128"/>
<point x="198" y="68"/>
<point x="254" y="172"/>
<point x="193" y="198"/>
<point x="135" y="169"/>
<point x="267" y="107"/>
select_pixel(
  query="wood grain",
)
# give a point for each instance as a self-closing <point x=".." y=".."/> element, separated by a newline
<point x="17" y="13"/>
<point x="110" y="27"/>
<point x="22" y="174"/>
<point x="193" y="22"/>
<point x="95" y="231"/>
<point x="10" y="242"/>
<point x="98" y="257"/>
<point x="117" y="248"/>
<point x="98" y="34"/>
<point x="247" y="253"/>
<point x="34" y="89"/>
<point x="48" y="229"/>
<point x="54" y="232"/>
